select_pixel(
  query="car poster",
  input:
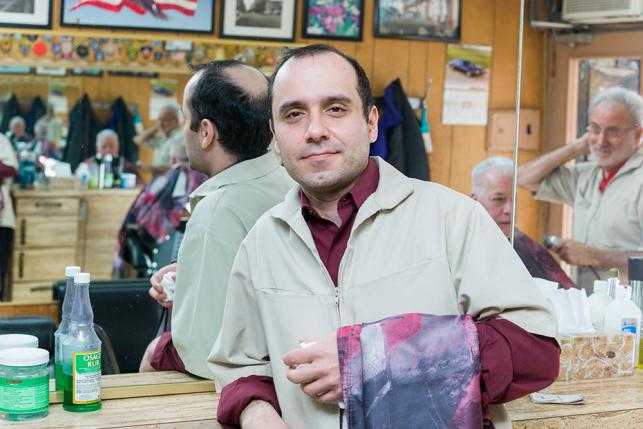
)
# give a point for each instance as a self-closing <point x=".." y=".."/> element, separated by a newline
<point x="466" y="87"/>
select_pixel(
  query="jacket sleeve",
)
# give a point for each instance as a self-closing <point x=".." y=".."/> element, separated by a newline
<point x="559" y="186"/>
<point x="240" y="349"/>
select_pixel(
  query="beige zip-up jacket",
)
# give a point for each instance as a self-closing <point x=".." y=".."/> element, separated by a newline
<point x="415" y="247"/>
<point x="224" y="208"/>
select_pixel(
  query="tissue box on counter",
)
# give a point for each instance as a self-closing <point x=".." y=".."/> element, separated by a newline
<point x="596" y="355"/>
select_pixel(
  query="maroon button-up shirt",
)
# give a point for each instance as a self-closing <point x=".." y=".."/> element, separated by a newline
<point x="514" y="362"/>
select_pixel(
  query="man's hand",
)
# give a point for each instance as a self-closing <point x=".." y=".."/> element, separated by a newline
<point x="156" y="291"/>
<point x="260" y="414"/>
<point x="582" y="145"/>
<point x="316" y="369"/>
<point x="576" y="253"/>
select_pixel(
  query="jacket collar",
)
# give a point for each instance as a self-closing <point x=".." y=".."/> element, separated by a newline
<point x="243" y="171"/>
<point x="392" y="189"/>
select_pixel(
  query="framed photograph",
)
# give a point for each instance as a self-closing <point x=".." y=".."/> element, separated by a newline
<point x="258" y="19"/>
<point x="333" y="19"/>
<point x="25" y="13"/>
<point x="189" y="16"/>
<point x="178" y="45"/>
<point x="418" y="19"/>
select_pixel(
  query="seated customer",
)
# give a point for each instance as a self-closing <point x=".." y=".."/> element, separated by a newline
<point x="491" y="182"/>
<point x="107" y="143"/>
<point x="42" y="145"/>
<point x="17" y="131"/>
<point x="158" y="208"/>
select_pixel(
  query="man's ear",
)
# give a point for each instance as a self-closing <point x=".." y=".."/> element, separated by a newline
<point x="275" y="143"/>
<point x="208" y="133"/>
<point x="373" y="117"/>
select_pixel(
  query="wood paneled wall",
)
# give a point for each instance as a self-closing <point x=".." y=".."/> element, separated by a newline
<point x="456" y="148"/>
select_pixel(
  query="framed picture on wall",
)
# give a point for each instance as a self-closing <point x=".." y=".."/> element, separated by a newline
<point x="25" y="13"/>
<point x="258" y="19"/>
<point x="418" y="19"/>
<point x="333" y="19"/>
<point x="190" y="16"/>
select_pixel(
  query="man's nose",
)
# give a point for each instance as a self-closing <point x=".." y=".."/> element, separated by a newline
<point x="317" y="129"/>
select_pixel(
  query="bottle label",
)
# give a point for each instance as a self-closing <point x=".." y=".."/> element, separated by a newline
<point x="21" y="396"/>
<point x="86" y="377"/>
<point x="629" y="325"/>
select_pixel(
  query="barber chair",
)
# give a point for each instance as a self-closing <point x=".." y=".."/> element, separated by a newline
<point x="126" y="313"/>
<point x="43" y="329"/>
<point x="145" y="255"/>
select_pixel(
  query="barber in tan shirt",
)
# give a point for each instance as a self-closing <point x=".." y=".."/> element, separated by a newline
<point x="606" y="192"/>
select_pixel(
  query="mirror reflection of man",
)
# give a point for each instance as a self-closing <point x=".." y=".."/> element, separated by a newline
<point x="491" y="181"/>
<point x="107" y="143"/>
<point x="227" y="135"/>
<point x="606" y="193"/>
<point x="161" y="136"/>
<point x="17" y="131"/>
<point x="357" y="241"/>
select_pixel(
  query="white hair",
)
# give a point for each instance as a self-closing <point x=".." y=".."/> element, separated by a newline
<point x="497" y="163"/>
<point x="628" y="98"/>
<point x="173" y="109"/>
<point x="15" y="120"/>
<point x="107" y="132"/>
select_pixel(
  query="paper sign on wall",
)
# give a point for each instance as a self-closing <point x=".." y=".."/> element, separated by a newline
<point x="162" y="93"/>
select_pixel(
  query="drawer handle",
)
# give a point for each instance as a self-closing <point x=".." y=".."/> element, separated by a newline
<point x="21" y="264"/>
<point x="23" y="230"/>
<point x="48" y="204"/>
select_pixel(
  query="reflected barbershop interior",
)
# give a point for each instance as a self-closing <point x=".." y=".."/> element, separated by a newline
<point x="321" y="214"/>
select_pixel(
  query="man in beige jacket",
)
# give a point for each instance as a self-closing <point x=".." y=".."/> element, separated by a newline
<point x="357" y="242"/>
<point x="226" y="132"/>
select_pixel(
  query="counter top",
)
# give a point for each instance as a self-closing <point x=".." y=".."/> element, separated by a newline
<point x="609" y="403"/>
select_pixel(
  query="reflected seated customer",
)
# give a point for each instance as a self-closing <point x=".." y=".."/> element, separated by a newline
<point x="159" y="206"/>
<point x="492" y="187"/>
<point x="107" y="143"/>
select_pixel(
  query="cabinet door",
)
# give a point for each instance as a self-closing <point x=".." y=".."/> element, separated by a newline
<point x="42" y="264"/>
<point x="31" y="292"/>
<point x="36" y="231"/>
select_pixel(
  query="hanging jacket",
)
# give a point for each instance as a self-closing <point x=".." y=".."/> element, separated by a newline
<point x="11" y="108"/>
<point x="122" y="122"/>
<point x="404" y="141"/>
<point x="37" y="111"/>
<point x="81" y="138"/>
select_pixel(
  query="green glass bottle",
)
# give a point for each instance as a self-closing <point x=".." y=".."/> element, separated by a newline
<point x="81" y="353"/>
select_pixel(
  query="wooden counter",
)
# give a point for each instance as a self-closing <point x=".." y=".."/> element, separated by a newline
<point x="55" y="228"/>
<point x="609" y="403"/>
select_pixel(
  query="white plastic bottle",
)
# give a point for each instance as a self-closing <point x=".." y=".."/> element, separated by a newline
<point x="622" y="315"/>
<point x="598" y="302"/>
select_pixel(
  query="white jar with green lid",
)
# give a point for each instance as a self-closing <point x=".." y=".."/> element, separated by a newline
<point x="11" y="341"/>
<point x="24" y="383"/>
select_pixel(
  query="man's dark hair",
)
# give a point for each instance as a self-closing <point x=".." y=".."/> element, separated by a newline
<point x="363" y="85"/>
<point x="240" y="116"/>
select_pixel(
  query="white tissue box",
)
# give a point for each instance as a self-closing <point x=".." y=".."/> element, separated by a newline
<point x="596" y="355"/>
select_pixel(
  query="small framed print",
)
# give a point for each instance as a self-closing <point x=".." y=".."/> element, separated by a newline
<point x="259" y="20"/>
<point x="25" y="13"/>
<point x="418" y="19"/>
<point x="333" y="19"/>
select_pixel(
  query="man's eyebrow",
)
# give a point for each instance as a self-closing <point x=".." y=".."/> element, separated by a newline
<point x="337" y="99"/>
<point x="325" y="101"/>
<point x="290" y="105"/>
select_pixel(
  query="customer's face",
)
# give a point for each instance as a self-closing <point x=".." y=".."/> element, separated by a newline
<point x="107" y="145"/>
<point x="496" y="198"/>
<point x="612" y="133"/>
<point x="17" y="128"/>
<point x="318" y="124"/>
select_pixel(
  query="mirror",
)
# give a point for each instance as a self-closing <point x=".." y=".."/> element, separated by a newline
<point x="456" y="148"/>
